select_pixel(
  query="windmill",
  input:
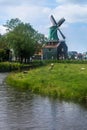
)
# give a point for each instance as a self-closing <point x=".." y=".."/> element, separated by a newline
<point x="54" y="28"/>
<point x="55" y="48"/>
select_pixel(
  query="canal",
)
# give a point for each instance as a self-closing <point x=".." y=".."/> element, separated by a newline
<point x="27" y="111"/>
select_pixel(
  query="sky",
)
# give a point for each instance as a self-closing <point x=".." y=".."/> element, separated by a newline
<point x="37" y="13"/>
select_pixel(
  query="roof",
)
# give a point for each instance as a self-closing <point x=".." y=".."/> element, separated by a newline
<point x="51" y="46"/>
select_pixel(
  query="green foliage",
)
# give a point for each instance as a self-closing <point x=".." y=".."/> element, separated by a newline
<point x="37" y="63"/>
<point x="13" y="66"/>
<point x="65" y="81"/>
<point x="9" y="66"/>
<point x="66" y="61"/>
<point x="3" y="43"/>
<point x="11" y="24"/>
<point x="2" y="54"/>
<point x="23" y="39"/>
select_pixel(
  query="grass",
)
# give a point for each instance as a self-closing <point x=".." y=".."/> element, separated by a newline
<point x="65" y="81"/>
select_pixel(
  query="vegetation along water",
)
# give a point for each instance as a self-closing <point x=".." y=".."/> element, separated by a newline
<point x="65" y="81"/>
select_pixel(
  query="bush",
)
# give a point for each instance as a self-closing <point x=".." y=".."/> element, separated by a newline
<point x="2" y="54"/>
<point x="9" y="66"/>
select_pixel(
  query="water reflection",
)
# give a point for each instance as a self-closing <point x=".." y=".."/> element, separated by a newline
<point x="26" y="111"/>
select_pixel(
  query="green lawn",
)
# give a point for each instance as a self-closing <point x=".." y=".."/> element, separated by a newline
<point x="65" y="81"/>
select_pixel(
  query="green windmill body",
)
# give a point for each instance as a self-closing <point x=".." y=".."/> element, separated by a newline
<point x="53" y="36"/>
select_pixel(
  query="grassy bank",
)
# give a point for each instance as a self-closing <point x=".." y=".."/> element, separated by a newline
<point x="65" y="81"/>
<point x="16" y="66"/>
<point x="9" y="66"/>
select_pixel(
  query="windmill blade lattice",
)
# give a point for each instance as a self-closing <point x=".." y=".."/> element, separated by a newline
<point x="53" y="20"/>
<point x="61" y="33"/>
<point x="60" y="22"/>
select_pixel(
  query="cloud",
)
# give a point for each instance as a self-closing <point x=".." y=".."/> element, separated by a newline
<point x="71" y="1"/>
<point x="72" y="13"/>
<point x="37" y="13"/>
<point x="9" y="2"/>
<point x="46" y="3"/>
<point x="38" y="16"/>
<point x="2" y="30"/>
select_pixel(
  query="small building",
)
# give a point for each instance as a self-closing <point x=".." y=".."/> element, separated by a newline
<point x="55" y="50"/>
<point x="50" y="51"/>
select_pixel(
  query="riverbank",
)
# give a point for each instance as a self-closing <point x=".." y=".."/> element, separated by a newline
<point x="65" y="81"/>
<point x="16" y="66"/>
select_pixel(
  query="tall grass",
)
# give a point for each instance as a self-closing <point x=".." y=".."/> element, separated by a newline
<point x="66" y="81"/>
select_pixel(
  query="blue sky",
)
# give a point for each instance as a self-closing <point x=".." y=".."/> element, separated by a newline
<point x="37" y="13"/>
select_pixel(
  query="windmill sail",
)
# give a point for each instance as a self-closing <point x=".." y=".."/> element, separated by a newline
<point x="60" y="22"/>
<point x="55" y="26"/>
<point x="53" y="20"/>
<point x="61" y="33"/>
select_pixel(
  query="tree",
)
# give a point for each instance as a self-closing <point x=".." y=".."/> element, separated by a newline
<point x="3" y="43"/>
<point x="11" y="24"/>
<point x="23" y="38"/>
<point x="40" y="40"/>
<point x="4" y="49"/>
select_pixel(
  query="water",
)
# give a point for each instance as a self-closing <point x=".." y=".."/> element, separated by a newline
<point x="26" y="111"/>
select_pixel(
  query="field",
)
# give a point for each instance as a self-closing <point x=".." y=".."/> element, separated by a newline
<point x="59" y="80"/>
